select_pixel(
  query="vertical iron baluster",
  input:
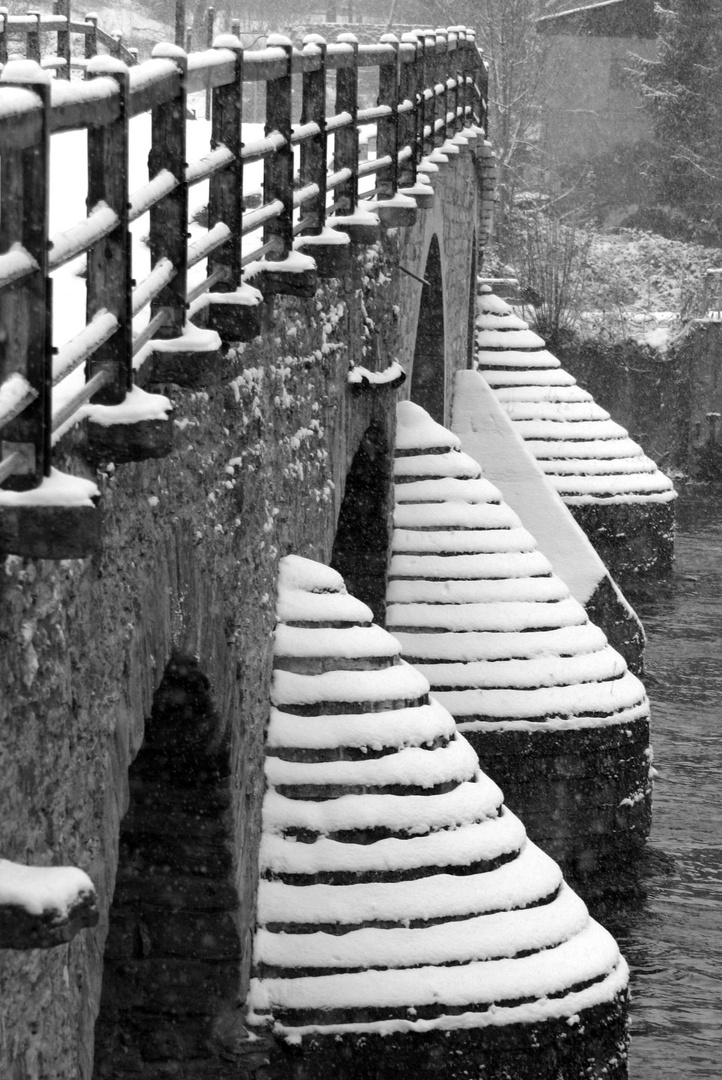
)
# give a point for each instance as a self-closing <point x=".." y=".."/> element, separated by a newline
<point x="109" y="261"/>
<point x="62" y="7"/>
<point x="314" y="167"/>
<point x="26" y="309"/>
<point x="278" y="167"/>
<point x="346" y="146"/>
<point x="388" y="126"/>
<point x="169" y="216"/>
<point x="226" y="185"/>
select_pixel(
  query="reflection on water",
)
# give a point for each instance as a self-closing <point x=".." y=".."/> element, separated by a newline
<point x="673" y="939"/>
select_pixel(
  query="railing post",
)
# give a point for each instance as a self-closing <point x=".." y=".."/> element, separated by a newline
<point x="26" y="310"/>
<point x="62" y="7"/>
<point x="314" y="165"/>
<point x="210" y="21"/>
<point x="169" y="216"/>
<point x="180" y="23"/>
<point x="226" y="185"/>
<point x="458" y="75"/>
<point x="278" y="167"/>
<point x="32" y="49"/>
<point x="429" y="89"/>
<point x="442" y="57"/>
<point x="3" y="36"/>
<point x="109" y="263"/>
<point x="91" y="37"/>
<point x="346" y="139"/>
<point x="407" y="127"/>
<point x="388" y="126"/>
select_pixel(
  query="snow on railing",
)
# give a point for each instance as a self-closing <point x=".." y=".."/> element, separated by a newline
<point x="28" y="29"/>
<point x="316" y="194"/>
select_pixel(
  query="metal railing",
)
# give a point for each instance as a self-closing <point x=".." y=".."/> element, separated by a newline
<point x="31" y="30"/>
<point x="430" y="87"/>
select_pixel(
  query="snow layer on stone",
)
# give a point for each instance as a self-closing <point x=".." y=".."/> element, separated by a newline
<point x="301" y="606"/>
<point x="481" y="937"/>
<point x="570" y="1006"/>
<point x="494" y="305"/>
<point x="508" y="564"/>
<point x="453" y="464"/>
<point x="40" y="889"/>
<point x="504" y="616"/>
<point x="568" y="411"/>
<point x="58" y="489"/>
<point x="556" y="430"/>
<point x="346" y="642"/>
<point x="525" y="880"/>
<point x="442" y="488"/>
<point x="541" y="394"/>
<point x="417" y="431"/>
<point x="512" y="358"/>
<point x="410" y="765"/>
<point x="399" y="681"/>
<point x="459" y="541"/>
<point x="537" y="378"/>
<point x="475" y="843"/>
<point x="611" y="486"/>
<point x="469" y="801"/>
<point x="570" y="467"/>
<point x="585" y="956"/>
<point x="508" y="339"/>
<point x="593" y="699"/>
<point x="507" y="321"/>
<point x="540" y="590"/>
<point x="455" y="515"/>
<point x="528" y="674"/>
<point x="487" y="645"/>
<point x="393" y="727"/>
<point x="138" y="406"/>
<point x="561" y="447"/>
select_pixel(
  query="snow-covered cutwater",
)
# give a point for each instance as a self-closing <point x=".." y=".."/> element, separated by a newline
<point x="548" y="704"/>
<point x="587" y="457"/>
<point x="398" y="896"/>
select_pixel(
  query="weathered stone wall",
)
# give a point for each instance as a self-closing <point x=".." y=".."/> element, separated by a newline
<point x="188" y="566"/>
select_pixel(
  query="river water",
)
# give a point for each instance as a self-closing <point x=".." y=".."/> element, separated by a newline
<point x="672" y="937"/>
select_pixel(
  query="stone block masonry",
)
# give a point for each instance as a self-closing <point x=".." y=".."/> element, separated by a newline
<point x="188" y="567"/>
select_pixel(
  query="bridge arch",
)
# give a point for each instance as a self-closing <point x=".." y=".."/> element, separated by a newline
<point x="428" y="374"/>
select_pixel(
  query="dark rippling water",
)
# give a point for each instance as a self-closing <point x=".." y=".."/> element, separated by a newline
<point x="673" y="938"/>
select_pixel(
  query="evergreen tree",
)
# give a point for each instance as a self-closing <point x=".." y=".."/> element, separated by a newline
<point x="683" y="91"/>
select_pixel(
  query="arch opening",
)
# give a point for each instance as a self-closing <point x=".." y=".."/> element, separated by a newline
<point x="363" y="535"/>
<point x="171" y="975"/>
<point x="428" y="376"/>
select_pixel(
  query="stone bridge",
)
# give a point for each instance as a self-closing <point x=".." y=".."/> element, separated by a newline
<point x="136" y="672"/>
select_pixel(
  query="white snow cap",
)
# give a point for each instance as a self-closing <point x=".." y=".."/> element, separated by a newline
<point x="397" y="893"/>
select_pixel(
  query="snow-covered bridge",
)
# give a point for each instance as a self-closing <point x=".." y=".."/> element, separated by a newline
<point x="200" y="378"/>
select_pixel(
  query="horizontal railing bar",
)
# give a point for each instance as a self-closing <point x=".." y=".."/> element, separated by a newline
<point x="219" y="274"/>
<point x="304" y="223"/>
<point x="211" y="162"/>
<point x="365" y="116"/>
<point x="261" y="215"/>
<point x="83" y="345"/>
<point x="264" y="249"/>
<point x="10" y="465"/>
<point x="162" y="273"/>
<point x="79" y="104"/>
<point x="17" y="394"/>
<point x="20" y="119"/>
<point x="200" y="249"/>
<point x="151" y="84"/>
<point x="367" y="168"/>
<point x="79" y="238"/>
<point x="144" y="197"/>
<point x="16" y="265"/>
<point x="340" y="120"/>
<point x="336" y="178"/>
<point x="258" y="148"/>
<point x="301" y="132"/>
<point x="159" y="319"/>
<point x="302" y="195"/>
<point x="92" y="386"/>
